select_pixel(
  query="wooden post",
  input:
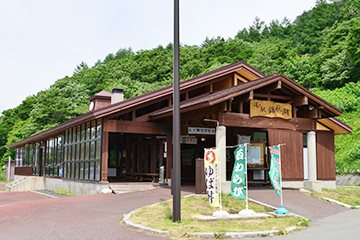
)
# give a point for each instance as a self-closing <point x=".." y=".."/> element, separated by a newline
<point x="153" y="155"/>
<point x="138" y="156"/>
<point x="104" y="156"/>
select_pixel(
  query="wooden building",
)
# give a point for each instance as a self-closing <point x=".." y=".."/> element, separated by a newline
<point x="123" y="140"/>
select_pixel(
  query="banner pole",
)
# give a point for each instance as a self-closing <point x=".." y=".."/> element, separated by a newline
<point x="281" y="199"/>
<point x="219" y="181"/>
<point x="246" y="176"/>
<point x="281" y="210"/>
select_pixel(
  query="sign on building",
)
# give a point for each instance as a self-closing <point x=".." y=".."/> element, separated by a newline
<point x="270" y="109"/>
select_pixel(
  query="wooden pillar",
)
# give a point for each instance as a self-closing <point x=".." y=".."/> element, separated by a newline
<point x="153" y="155"/>
<point x="161" y="154"/>
<point x="104" y="156"/>
<point x="139" y="156"/>
<point x="133" y="157"/>
<point x="241" y="107"/>
<point x="168" y="156"/>
<point x="146" y="150"/>
<point x="128" y="162"/>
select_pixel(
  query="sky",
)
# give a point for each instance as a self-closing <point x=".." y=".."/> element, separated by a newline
<point x="42" y="41"/>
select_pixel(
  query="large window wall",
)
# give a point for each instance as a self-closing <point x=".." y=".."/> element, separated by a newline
<point x="53" y="165"/>
<point x="82" y="151"/>
<point x="27" y="157"/>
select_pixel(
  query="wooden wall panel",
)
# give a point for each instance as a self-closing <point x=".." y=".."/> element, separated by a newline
<point x="325" y="148"/>
<point x="243" y="120"/>
<point x="25" y="171"/>
<point x="291" y="153"/>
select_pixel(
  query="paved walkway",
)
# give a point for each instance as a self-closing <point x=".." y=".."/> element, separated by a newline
<point x="80" y="217"/>
<point x="340" y="226"/>
<point x="297" y="202"/>
<point x="26" y="215"/>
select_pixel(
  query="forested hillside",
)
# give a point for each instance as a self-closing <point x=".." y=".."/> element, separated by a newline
<point x="320" y="50"/>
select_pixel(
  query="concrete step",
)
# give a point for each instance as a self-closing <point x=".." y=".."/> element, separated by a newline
<point x="129" y="187"/>
<point x="15" y="183"/>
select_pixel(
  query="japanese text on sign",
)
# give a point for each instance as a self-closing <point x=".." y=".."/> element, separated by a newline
<point x="211" y="165"/>
<point x="238" y="188"/>
<point x="270" y="109"/>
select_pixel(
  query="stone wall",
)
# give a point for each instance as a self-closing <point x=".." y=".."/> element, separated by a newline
<point x="342" y="180"/>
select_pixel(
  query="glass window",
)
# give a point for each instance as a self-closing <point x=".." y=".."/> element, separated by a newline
<point x="97" y="170"/>
<point x="72" y="152"/>
<point x="87" y="151"/>
<point x="92" y="150"/>
<point x="74" y="134"/>
<point x="60" y="151"/>
<point x="93" y="130"/>
<point x="77" y="170"/>
<point x="83" y="131"/>
<point x="86" y="172"/>
<point x="98" y="128"/>
<point x="70" y="136"/>
<point x="78" y="131"/>
<point x="98" y="149"/>
<point x="92" y="171"/>
<point x="66" y="137"/>
<point x="82" y="146"/>
<point x="82" y="151"/>
<point x="77" y="152"/>
<point x="81" y="169"/>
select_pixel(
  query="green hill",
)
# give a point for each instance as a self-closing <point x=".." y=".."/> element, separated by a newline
<point x="320" y="50"/>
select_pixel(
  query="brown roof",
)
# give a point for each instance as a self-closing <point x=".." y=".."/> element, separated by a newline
<point x="204" y="100"/>
<point x="132" y="102"/>
<point x="213" y="98"/>
<point x="100" y="95"/>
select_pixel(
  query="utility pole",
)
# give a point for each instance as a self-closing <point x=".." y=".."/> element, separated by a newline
<point x="176" y="171"/>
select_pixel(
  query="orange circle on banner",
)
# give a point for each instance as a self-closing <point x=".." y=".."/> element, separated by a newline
<point x="210" y="158"/>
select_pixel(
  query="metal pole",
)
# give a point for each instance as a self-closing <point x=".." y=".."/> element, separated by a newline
<point x="280" y="175"/>
<point x="246" y="177"/>
<point x="176" y="177"/>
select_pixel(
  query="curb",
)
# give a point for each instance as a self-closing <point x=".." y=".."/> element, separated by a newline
<point x="140" y="227"/>
<point x="211" y="235"/>
<point x="243" y="234"/>
<point x="340" y="203"/>
<point x="41" y="193"/>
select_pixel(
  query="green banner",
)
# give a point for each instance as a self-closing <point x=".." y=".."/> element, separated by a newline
<point x="275" y="169"/>
<point x="238" y="188"/>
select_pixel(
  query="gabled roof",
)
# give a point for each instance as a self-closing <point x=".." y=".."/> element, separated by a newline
<point x="239" y="67"/>
<point x="335" y="124"/>
<point x="213" y="98"/>
<point x="208" y="99"/>
<point x="167" y="91"/>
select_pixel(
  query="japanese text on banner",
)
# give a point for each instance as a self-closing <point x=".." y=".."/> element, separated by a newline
<point x="211" y="164"/>
<point x="274" y="172"/>
<point x="238" y="184"/>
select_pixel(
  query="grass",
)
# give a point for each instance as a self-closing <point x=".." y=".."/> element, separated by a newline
<point x="349" y="196"/>
<point x="63" y="192"/>
<point x="159" y="216"/>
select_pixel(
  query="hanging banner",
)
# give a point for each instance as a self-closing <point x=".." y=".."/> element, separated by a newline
<point x="270" y="109"/>
<point x="238" y="188"/>
<point x="275" y="169"/>
<point x="211" y="164"/>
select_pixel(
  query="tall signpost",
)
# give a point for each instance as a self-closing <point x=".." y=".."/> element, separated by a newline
<point x="176" y="171"/>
